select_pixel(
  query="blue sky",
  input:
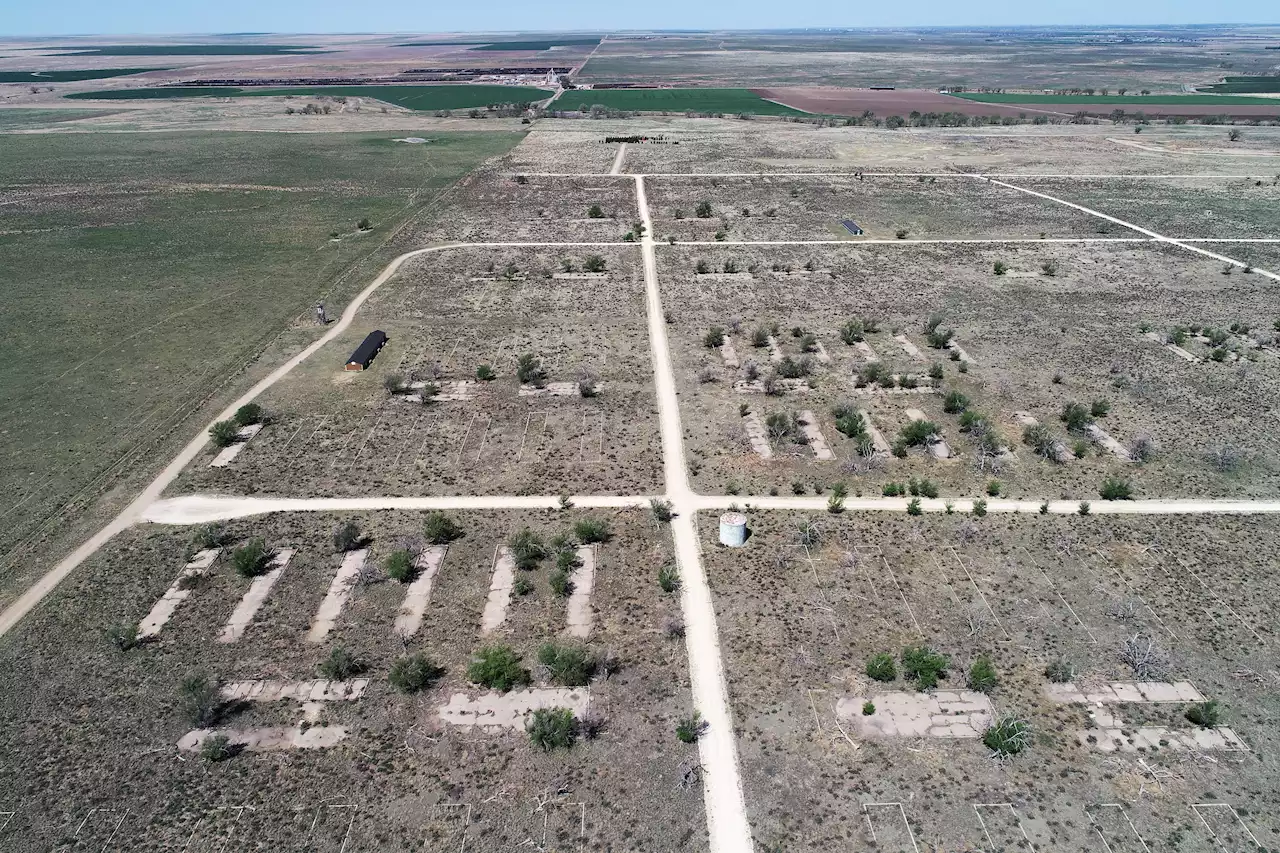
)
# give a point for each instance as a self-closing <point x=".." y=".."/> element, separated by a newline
<point x="64" y="17"/>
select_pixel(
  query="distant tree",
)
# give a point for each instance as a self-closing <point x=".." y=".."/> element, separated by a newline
<point x="363" y="224"/>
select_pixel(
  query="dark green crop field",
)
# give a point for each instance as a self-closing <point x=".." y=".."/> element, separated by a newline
<point x="143" y="272"/>
<point x="37" y="77"/>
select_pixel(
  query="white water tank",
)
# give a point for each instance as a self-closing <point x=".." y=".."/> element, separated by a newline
<point x="733" y="529"/>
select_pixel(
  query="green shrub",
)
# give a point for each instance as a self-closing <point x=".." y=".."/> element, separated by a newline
<point x="485" y="373"/>
<point x="913" y="507"/>
<point x="1100" y="408"/>
<point x="414" y="673"/>
<point x="893" y="490"/>
<point x="1060" y="671"/>
<point x="928" y="489"/>
<point x="703" y="210"/>
<point x="1075" y="416"/>
<point x="399" y="566"/>
<point x="224" y="433"/>
<point x="552" y="728"/>
<point x="207" y="536"/>
<point x="1000" y="268"/>
<point x="341" y="665"/>
<point x="924" y="666"/>
<point x="527" y="549"/>
<point x="346" y="537"/>
<point x="215" y="748"/>
<point x="669" y="578"/>
<point x="248" y="414"/>
<point x="917" y="433"/>
<point x="1079" y="448"/>
<point x="123" y="636"/>
<point x="1041" y="440"/>
<point x="849" y="422"/>
<point x="529" y="370"/>
<point x="1116" y="489"/>
<point x="980" y="508"/>
<point x="594" y="263"/>
<point x="569" y="665"/>
<point x="594" y="212"/>
<point x="560" y="583"/>
<point x="1044" y="508"/>
<point x="714" y="338"/>
<point x="522" y="587"/>
<point x="689" y="729"/>
<point x="882" y="668"/>
<point x="1007" y="736"/>
<point x="498" y="668"/>
<point x="1083" y="509"/>
<point x="1205" y="714"/>
<point x="591" y="530"/>
<point x="852" y="332"/>
<point x="662" y="510"/>
<point x="440" y="529"/>
<point x="200" y="699"/>
<point x="395" y="383"/>
<point x="954" y="403"/>
<point x="251" y="558"/>
<point x="868" y="708"/>
<point x="982" y="675"/>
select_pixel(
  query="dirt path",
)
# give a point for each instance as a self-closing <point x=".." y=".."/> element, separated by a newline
<point x="617" y="161"/>
<point x="727" y="824"/>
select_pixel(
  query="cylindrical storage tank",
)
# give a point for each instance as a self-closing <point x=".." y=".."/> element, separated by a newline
<point x="733" y="529"/>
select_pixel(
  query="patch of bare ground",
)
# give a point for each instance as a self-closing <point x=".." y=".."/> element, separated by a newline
<point x="104" y="724"/>
<point x="800" y="624"/>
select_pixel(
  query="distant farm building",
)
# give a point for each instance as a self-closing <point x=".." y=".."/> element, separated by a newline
<point x="369" y="347"/>
<point x="852" y="227"/>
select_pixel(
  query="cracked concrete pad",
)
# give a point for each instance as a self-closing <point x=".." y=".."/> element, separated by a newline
<point x="943" y="714"/>
<point x="728" y="353"/>
<point x="509" y="710"/>
<point x="504" y="578"/>
<point x="269" y="739"/>
<point x="757" y="435"/>
<point x="818" y="444"/>
<point x="1100" y="436"/>
<point x="865" y="349"/>
<point x="578" y="619"/>
<point x="909" y="348"/>
<point x="162" y="611"/>
<point x="336" y="598"/>
<point x="418" y="596"/>
<point x="231" y="451"/>
<point x="254" y="597"/>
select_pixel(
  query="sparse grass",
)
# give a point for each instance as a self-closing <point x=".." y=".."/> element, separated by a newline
<point x="196" y="311"/>
<point x="498" y="668"/>
<point x="414" y="673"/>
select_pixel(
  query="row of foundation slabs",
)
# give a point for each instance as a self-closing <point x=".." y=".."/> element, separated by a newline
<point x="960" y="714"/>
<point x="558" y="822"/>
<point x="549" y="821"/>
<point x="487" y="711"/>
<point x="758" y="435"/>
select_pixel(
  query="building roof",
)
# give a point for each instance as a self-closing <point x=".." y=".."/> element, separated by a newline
<point x="368" y="347"/>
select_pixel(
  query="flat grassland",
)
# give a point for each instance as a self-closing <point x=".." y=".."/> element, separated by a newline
<point x="143" y="272"/>
<point x="726" y="101"/>
<point x="101" y="724"/>
<point x="799" y="624"/>
<point x="412" y="97"/>
<point x="24" y="119"/>
<point x="179" y="49"/>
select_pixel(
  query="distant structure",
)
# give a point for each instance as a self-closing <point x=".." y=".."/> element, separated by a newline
<point x="369" y="347"/>
<point x="852" y="227"/>
<point x="320" y="315"/>
<point x="733" y="529"/>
